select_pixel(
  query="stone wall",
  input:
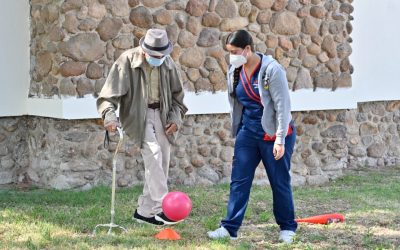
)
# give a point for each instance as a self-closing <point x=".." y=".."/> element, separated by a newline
<point x="75" y="42"/>
<point x="65" y="154"/>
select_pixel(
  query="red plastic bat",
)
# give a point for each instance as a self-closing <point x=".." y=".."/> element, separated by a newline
<point x="323" y="219"/>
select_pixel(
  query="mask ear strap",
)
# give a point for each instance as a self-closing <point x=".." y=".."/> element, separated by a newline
<point x="244" y="51"/>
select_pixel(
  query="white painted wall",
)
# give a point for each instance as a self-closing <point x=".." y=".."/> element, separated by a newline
<point x="14" y="57"/>
<point x="375" y="59"/>
<point x="376" y="52"/>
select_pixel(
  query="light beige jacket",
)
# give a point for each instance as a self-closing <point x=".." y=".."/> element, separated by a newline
<point x="127" y="87"/>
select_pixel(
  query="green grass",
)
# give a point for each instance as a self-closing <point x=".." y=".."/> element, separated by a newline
<point x="50" y="219"/>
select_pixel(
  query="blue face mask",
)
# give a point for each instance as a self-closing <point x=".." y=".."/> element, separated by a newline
<point x="155" y="62"/>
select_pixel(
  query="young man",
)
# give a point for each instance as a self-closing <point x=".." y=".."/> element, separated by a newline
<point x="145" y="84"/>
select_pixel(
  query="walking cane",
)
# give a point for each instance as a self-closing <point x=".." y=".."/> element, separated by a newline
<point x="112" y="225"/>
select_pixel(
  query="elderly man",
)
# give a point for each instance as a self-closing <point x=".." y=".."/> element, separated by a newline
<point x="146" y="85"/>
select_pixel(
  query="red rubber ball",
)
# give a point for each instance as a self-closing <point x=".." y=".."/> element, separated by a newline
<point x="176" y="205"/>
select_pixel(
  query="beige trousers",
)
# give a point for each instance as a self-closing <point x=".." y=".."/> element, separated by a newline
<point x="156" y="154"/>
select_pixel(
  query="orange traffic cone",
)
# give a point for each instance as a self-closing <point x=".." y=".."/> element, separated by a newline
<point x="323" y="219"/>
<point x="168" y="234"/>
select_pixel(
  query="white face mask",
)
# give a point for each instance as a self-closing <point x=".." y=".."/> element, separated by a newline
<point x="237" y="60"/>
<point x="155" y="62"/>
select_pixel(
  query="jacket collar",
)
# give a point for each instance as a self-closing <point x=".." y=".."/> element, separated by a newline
<point x="267" y="59"/>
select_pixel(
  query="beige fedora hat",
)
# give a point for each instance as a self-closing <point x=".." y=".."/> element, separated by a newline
<point x="156" y="43"/>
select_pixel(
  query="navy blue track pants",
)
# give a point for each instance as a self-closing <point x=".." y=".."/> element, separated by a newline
<point x="248" y="153"/>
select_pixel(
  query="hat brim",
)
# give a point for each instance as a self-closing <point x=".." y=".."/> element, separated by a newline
<point x="153" y="52"/>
